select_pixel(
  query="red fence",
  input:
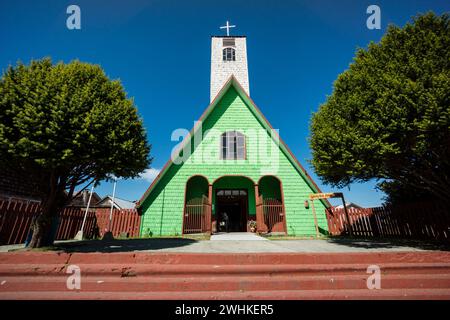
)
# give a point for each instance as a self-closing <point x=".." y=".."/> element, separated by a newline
<point x="16" y="218"/>
<point x="125" y="220"/>
<point x="70" y="221"/>
<point x="415" y="221"/>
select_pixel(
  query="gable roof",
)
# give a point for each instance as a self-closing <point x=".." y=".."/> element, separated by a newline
<point x="118" y="203"/>
<point x="349" y="205"/>
<point x="232" y="81"/>
<point x="81" y="199"/>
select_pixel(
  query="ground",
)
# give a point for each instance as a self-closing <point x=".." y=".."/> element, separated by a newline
<point x="229" y="266"/>
<point x="241" y="243"/>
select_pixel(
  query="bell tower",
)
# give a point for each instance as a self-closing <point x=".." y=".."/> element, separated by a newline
<point x="228" y="57"/>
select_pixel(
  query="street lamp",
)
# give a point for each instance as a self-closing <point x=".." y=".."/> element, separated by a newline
<point x="108" y="234"/>
<point x="79" y="235"/>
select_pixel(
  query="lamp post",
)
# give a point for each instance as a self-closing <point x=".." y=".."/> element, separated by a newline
<point x="112" y="205"/>
<point x="79" y="235"/>
<point x="108" y="234"/>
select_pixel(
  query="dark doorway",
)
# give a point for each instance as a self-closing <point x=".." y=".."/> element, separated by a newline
<point x="235" y="204"/>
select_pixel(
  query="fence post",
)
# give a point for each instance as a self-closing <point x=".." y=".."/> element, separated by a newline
<point x="346" y="215"/>
<point x="209" y="210"/>
<point x="315" y="218"/>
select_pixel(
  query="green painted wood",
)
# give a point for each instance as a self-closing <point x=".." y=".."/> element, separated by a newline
<point x="163" y="207"/>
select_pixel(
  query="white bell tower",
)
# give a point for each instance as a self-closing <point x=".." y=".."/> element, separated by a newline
<point x="228" y="57"/>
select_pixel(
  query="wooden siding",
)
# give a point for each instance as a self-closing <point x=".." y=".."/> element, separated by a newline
<point x="163" y="208"/>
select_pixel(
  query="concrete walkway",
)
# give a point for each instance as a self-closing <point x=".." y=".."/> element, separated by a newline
<point x="241" y="243"/>
<point x="237" y="236"/>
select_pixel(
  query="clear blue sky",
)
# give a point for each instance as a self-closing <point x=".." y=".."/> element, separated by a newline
<point x="160" y="50"/>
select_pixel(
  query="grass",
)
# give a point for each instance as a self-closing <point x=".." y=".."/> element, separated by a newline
<point x="285" y="237"/>
<point x="85" y="242"/>
<point x="43" y="249"/>
<point x="198" y="237"/>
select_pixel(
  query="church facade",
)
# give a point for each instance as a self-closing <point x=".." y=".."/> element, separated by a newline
<point x="232" y="173"/>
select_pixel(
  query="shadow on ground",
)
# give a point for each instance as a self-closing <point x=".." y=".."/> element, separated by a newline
<point x="122" y="245"/>
<point x="390" y="244"/>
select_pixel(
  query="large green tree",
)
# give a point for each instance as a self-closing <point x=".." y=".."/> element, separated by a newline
<point x="64" y="126"/>
<point x="388" y="117"/>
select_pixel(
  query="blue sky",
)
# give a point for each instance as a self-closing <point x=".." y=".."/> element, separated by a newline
<point x="160" y="50"/>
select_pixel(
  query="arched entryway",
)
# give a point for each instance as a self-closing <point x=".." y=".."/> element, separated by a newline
<point x="270" y="205"/>
<point x="197" y="206"/>
<point x="233" y="204"/>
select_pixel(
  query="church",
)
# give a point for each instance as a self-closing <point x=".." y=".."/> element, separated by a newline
<point x="232" y="173"/>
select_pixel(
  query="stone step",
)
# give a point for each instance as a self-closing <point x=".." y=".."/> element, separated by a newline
<point x="404" y="275"/>
<point x="219" y="269"/>
<point x="223" y="259"/>
<point x="382" y="294"/>
<point x="227" y="283"/>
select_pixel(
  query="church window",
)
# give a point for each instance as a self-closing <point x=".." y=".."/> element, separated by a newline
<point x="238" y="192"/>
<point x="229" y="54"/>
<point x="233" y="146"/>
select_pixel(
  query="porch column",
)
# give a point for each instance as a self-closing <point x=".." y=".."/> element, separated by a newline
<point x="209" y="211"/>
<point x="260" y="225"/>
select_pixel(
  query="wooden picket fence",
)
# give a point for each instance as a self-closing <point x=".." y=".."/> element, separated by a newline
<point x="124" y="221"/>
<point x="16" y="217"/>
<point x="413" y="221"/>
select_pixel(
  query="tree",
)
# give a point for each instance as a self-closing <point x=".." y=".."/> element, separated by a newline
<point x="67" y="125"/>
<point x="388" y="117"/>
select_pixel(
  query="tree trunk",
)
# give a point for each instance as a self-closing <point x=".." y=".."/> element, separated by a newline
<point x="42" y="226"/>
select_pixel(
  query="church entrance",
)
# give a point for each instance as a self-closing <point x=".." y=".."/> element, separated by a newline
<point x="233" y="204"/>
<point x="232" y="210"/>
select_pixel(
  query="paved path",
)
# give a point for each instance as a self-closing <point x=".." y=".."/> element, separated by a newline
<point x="239" y="243"/>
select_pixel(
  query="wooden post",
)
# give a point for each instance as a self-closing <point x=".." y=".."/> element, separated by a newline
<point x="260" y="225"/>
<point x="315" y="218"/>
<point x="346" y="216"/>
<point x="258" y="217"/>
<point x="209" y="213"/>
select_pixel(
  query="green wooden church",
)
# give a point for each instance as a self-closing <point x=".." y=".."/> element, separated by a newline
<point x="232" y="173"/>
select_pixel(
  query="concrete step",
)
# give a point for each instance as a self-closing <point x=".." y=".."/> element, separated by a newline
<point x="228" y="283"/>
<point x="404" y="275"/>
<point x="382" y="294"/>
<point x="224" y="259"/>
<point x="219" y="269"/>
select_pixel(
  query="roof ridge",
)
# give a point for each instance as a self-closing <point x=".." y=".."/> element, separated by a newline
<point x="233" y="81"/>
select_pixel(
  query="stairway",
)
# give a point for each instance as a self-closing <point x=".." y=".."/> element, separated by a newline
<point x="404" y="275"/>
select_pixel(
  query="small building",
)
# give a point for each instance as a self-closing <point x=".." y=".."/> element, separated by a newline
<point x="349" y="205"/>
<point x="233" y="167"/>
<point x="118" y="203"/>
<point x="81" y="199"/>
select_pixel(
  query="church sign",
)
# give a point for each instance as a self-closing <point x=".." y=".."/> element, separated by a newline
<point x="316" y="196"/>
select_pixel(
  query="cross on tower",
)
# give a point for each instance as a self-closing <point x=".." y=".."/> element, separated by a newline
<point x="228" y="26"/>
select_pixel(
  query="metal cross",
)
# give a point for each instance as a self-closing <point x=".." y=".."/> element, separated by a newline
<point x="228" y="26"/>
